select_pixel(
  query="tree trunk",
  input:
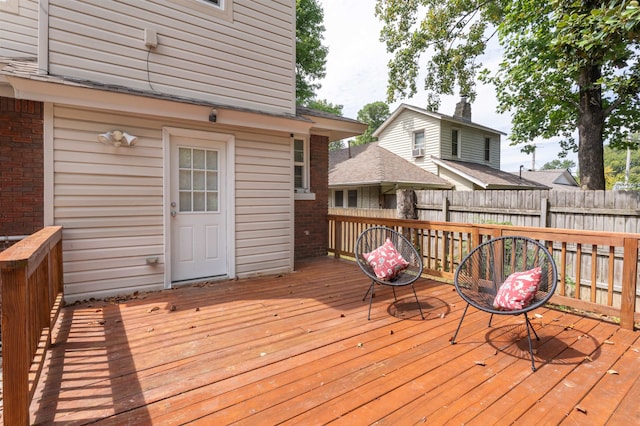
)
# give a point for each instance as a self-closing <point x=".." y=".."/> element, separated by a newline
<point x="406" y="204"/>
<point x="590" y="125"/>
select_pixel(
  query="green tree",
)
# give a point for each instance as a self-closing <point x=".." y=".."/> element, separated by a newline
<point x="615" y="166"/>
<point x="374" y="114"/>
<point x="311" y="55"/>
<point x="558" y="164"/>
<point x="566" y="65"/>
<point x="325" y="105"/>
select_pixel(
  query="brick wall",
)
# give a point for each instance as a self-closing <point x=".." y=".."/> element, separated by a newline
<point x="21" y="167"/>
<point x="311" y="227"/>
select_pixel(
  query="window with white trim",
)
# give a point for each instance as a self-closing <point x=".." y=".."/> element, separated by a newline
<point x="348" y="198"/>
<point x="352" y="198"/>
<point x="487" y="149"/>
<point x="301" y="165"/>
<point x="220" y="8"/>
<point x="418" y="140"/>
<point x="455" y="143"/>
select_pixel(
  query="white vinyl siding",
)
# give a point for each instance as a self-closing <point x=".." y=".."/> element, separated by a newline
<point x="398" y="137"/>
<point x="264" y="204"/>
<point x="247" y="62"/>
<point x="110" y="202"/>
<point x="19" y="30"/>
<point x="471" y="146"/>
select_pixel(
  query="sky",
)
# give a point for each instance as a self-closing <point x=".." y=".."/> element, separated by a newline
<point x="356" y="75"/>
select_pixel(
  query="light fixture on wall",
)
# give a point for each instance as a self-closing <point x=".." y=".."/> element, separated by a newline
<point x="117" y="138"/>
<point x="213" y="115"/>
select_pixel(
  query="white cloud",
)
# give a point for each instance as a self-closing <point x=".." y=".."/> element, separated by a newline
<point x="357" y="75"/>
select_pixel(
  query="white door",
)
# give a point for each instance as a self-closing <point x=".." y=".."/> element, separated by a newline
<point x="198" y="216"/>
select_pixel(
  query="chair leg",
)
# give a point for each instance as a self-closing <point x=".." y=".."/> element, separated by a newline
<point x="453" y="339"/>
<point x="490" y="319"/>
<point x="371" y="290"/>
<point x="417" y="301"/>
<point x="394" y="294"/>
<point x="530" y="327"/>
<point x="526" y="317"/>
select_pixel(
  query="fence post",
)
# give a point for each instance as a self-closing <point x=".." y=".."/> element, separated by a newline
<point x="629" y="283"/>
<point x="445" y="209"/>
<point x="544" y="212"/>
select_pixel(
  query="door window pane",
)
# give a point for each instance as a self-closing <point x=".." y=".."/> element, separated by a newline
<point x="198" y="159"/>
<point x="198" y="202"/>
<point x="198" y="180"/>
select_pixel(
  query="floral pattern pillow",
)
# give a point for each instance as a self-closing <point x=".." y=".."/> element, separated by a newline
<point x="386" y="261"/>
<point x="518" y="290"/>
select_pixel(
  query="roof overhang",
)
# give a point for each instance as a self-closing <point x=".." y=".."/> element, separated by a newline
<point x="460" y="173"/>
<point x="437" y="116"/>
<point x="335" y="128"/>
<point x="78" y="94"/>
<point x="420" y="185"/>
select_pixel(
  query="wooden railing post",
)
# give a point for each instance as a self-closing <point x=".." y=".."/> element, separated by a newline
<point x="28" y="278"/>
<point x="15" y="344"/>
<point x="337" y="242"/>
<point x="629" y="283"/>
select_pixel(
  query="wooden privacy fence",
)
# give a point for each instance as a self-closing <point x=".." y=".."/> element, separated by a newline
<point x="598" y="271"/>
<point x="608" y="211"/>
<point x="32" y="290"/>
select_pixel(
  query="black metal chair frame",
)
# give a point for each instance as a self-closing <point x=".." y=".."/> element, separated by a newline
<point x="372" y="238"/>
<point x="481" y="273"/>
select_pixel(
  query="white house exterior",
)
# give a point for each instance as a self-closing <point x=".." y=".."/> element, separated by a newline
<point x="447" y="146"/>
<point x="221" y="161"/>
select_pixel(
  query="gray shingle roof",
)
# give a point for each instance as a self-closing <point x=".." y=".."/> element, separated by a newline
<point x="370" y="164"/>
<point x="488" y="177"/>
<point x="559" y="180"/>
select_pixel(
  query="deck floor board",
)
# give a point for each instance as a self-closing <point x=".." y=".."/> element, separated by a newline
<point x="298" y="349"/>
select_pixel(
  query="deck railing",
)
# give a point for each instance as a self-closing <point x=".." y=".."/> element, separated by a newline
<point x="32" y="289"/>
<point x="597" y="271"/>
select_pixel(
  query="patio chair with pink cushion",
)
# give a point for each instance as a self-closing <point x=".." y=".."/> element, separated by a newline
<point x="510" y="275"/>
<point x="388" y="258"/>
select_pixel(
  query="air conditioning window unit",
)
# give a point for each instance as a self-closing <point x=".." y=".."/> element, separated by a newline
<point x="419" y="152"/>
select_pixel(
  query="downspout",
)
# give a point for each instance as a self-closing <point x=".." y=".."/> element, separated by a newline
<point x="43" y="37"/>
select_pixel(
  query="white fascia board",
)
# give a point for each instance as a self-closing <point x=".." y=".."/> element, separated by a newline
<point x="335" y="130"/>
<point x="398" y="111"/>
<point x="77" y="95"/>
<point x="262" y="121"/>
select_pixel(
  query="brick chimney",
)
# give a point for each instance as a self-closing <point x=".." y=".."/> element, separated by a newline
<point x="463" y="109"/>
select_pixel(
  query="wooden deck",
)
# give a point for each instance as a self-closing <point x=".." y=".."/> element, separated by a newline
<point x="298" y="349"/>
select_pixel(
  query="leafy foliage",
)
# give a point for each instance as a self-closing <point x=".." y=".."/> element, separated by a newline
<point x="566" y="65"/>
<point x="615" y="162"/>
<point x="311" y="55"/>
<point x="325" y="105"/>
<point x="374" y="114"/>
<point x="558" y="164"/>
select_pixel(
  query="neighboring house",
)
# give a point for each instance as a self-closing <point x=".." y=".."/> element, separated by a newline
<point x="368" y="176"/>
<point x="557" y="180"/>
<point x="453" y="147"/>
<point x="164" y="137"/>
